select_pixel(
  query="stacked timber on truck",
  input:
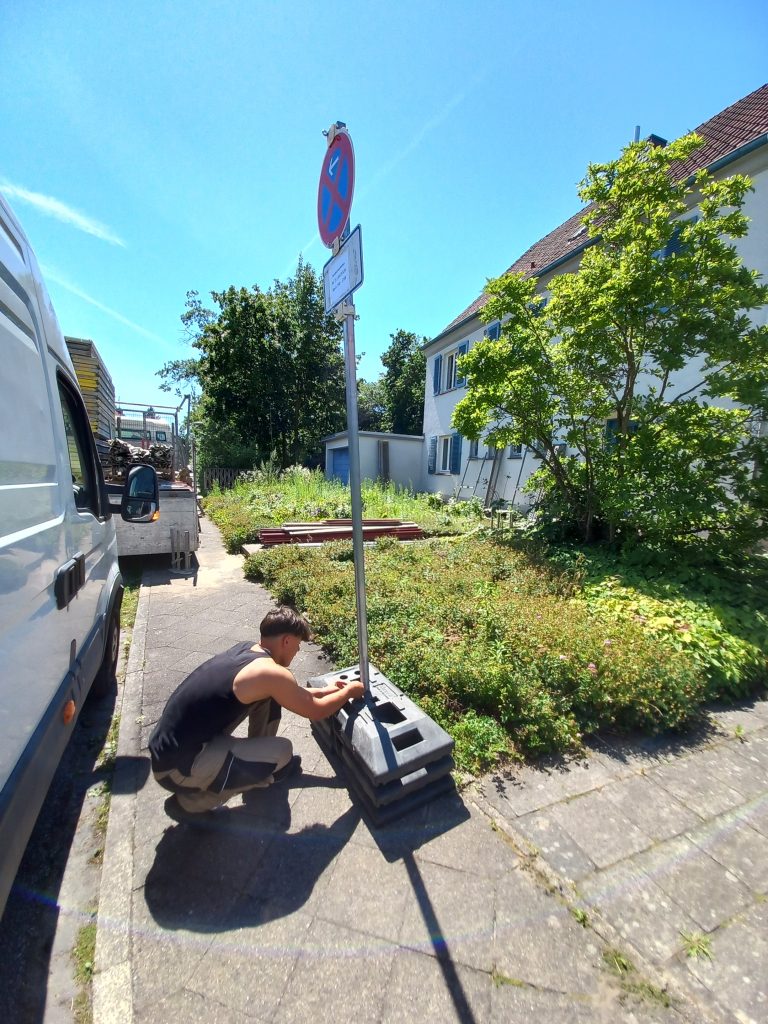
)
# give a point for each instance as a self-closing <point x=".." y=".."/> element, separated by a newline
<point x="96" y="386"/>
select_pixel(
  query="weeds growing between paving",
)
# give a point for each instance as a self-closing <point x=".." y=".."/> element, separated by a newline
<point x="519" y="651"/>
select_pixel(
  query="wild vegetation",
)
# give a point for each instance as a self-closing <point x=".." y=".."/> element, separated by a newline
<point x="267" y="497"/>
<point x="518" y="650"/>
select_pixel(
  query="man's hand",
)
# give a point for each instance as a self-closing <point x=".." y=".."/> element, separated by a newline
<point x="340" y="684"/>
<point x="355" y="689"/>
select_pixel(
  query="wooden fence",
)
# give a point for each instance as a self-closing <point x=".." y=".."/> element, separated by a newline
<point x="220" y="475"/>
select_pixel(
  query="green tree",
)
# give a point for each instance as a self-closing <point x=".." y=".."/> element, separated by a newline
<point x="403" y="383"/>
<point x="644" y="361"/>
<point x="371" y="405"/>
<point x="270" y="370"/>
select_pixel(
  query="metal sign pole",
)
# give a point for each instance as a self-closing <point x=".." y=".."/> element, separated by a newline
<point x="347" y="311"/>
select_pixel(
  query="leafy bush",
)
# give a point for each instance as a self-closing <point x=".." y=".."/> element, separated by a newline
<point x="512" y="649"/>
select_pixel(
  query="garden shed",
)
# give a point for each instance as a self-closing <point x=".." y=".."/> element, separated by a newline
<point x="383" y="457"/>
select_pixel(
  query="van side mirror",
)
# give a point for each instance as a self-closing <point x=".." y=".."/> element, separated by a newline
<point x="141" y="496"/>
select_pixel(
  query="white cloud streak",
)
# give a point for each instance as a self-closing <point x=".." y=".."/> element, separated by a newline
<point x="55" y="208"/>
<point x="52" y="275"/>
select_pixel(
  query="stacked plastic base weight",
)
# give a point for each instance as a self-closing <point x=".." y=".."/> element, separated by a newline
<point x="396" y="757"/>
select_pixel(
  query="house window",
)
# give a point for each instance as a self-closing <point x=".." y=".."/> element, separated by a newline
<point x="450" y="371"/>
<point x="494" y="331"/>
<point x="675" y="244"/>
<point x="612" y="430"/>
<point x="445" y="454"/>
<point x="474" y="447"/>
<point x="515" y="451"/>
<point x="445" y="372"/>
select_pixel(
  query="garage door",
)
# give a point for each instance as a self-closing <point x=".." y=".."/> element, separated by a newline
<point x="340" y="464"/>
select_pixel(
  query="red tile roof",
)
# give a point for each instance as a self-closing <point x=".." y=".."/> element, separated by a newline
<point x="734" y="127"/>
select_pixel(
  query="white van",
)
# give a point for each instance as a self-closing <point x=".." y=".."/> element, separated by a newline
<point x="60" y="586"/>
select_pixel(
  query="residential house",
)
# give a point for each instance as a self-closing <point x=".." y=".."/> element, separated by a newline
<point x="735" y="142"/>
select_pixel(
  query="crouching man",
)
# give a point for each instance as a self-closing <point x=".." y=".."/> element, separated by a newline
<point x="194" y="754"/>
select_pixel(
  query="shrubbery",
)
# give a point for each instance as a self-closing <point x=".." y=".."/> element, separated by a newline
<point x="514" y="652"/>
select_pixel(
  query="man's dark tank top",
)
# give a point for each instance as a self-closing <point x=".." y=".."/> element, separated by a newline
<point x="203" y="706"/>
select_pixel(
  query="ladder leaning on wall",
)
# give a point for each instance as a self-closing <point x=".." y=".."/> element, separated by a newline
<point x="491" y="493"/>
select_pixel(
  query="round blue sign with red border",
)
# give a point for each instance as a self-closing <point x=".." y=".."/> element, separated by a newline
<point x="337" y="183"/>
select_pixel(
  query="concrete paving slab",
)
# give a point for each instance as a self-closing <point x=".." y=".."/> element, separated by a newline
<point x="558" y="848"/>
<point x="539" y="943"/>
<point x="638" y="753"/>
<point x="652" y="809"/>
<point x="746" y="718"/>
<point x="247" y="969"/>
<point x="187" y="1007"/>
<point x="435" y="991"/>
<point x="705" y="890"/>
<point x="754" y="750"/>
<point x="518" y="791"/>
<point x="161" y="659"/>
<point x="639" y="909"/>
<point x="341" y="975"/>
<point x="739" y="765"/>
<point x="732" y="842"/>
<point x="736" y="973"/>
<point x="451" y="912"/>
<point x="600" y="829"/>
<point x="367" y="894"/>
<point x="691" y="781"/>
<point x="756" y="813"/>
<point x="162" y="963"/>
<point x="474" y="847"/>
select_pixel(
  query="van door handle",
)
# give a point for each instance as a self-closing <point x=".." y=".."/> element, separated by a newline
<point x="68" y="579"/>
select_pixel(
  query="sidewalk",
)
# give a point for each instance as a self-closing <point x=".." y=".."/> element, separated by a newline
<point x="292" y="909"/>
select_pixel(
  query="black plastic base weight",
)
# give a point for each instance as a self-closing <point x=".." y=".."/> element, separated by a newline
<point x="395" y="756"/>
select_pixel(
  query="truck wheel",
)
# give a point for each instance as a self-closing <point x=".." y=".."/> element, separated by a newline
<point x="105" y="682"/>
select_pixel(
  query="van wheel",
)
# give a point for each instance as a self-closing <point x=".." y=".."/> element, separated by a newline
<point x="105" y="682"/>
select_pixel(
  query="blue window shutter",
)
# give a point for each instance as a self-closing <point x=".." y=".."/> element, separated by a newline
<point x="674" y="245"/>
<point x="432" y="462"/>
<point x="455" y="453"/>
<point x="436" y="375"/>
<point x="462" y="351"/>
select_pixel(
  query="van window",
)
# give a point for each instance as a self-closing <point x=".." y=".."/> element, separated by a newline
<point x="161" y="435"/>
<point x="84" y="483"/>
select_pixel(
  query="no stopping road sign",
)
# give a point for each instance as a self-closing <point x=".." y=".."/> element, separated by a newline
<point x="337" y="183"/>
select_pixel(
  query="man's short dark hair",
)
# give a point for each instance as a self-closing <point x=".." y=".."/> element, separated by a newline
<point x="285" y="620"/>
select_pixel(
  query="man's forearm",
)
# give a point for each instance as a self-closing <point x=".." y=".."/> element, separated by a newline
<point x="327" y="702"/>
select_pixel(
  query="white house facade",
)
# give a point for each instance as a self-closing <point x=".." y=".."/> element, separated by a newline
<point x="735" y="142"/>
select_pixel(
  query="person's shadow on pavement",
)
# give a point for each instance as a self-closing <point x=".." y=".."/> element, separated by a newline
<point x="240" y="869"/>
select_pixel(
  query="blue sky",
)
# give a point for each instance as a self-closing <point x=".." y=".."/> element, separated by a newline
<point x="154" y="148"/>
